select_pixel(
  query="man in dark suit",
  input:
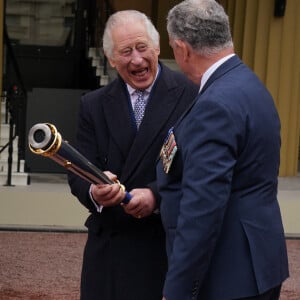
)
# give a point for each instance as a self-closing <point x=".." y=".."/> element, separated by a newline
<point x="218" y="170"/>
<point x="124" y="257"/>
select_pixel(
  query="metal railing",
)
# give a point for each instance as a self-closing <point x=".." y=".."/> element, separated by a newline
<point x="15" y="98"/>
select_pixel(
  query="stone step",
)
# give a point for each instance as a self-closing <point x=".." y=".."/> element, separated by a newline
<point x="92" y="52"/>
<point x="104" y="79"/>
<point x="14" y="167"/>
<point x="3" y="112"/>
<point x="17" y="178"/>
<point x="4" y="130"/>
<point x="4" y="156"/>
<point x="3" y="104"/>
<point x="5" y="140"/>
<point x="96" y="62"/>
<point x="99" y="71"/>
<point x="95" y="53"/>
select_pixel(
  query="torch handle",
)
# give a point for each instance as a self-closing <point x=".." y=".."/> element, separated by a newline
<point x="45" y="140"/>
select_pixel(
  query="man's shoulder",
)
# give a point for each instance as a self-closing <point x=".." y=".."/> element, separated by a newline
<point x="103" y="91"/>
<point x="168" y="71"/>
<point x="177" y="77"/>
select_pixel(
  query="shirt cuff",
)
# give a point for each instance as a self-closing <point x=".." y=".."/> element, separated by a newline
<point x="98" y="207"/>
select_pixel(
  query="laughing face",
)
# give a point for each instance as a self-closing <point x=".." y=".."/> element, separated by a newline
<point x="134" y="55"/>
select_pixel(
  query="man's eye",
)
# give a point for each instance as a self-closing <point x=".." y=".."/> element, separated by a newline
<point x="141" y="47"/>
<point x="126" y="52"/>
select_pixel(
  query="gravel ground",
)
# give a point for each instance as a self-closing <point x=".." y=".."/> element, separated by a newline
<point x="46" y="266"/>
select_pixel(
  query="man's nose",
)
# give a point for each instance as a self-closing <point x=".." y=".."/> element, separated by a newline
<point x="136" y="57"/>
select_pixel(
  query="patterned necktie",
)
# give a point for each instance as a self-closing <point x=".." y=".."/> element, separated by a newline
<point x="139" y="107"/>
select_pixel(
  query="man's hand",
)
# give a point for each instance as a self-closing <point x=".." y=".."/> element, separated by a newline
<point x="142" y="203"/>
<point x="108" y="194"/>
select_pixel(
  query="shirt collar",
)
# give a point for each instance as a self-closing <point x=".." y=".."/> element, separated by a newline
<point x="212" y="69"/>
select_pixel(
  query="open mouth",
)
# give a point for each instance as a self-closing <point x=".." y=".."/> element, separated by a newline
<point x="140" y="73"/>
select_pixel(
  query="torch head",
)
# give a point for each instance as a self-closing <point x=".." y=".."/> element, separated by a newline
<point x="44" y="139"/>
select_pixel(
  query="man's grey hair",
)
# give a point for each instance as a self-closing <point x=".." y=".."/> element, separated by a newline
<point x="121" y="18"/>
<point x="203" y="24"/>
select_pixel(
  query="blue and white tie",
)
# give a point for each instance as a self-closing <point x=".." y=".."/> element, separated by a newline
<point x="139" y="107"/>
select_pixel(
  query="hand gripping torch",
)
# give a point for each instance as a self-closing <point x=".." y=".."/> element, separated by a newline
<point x="45" y="140"/>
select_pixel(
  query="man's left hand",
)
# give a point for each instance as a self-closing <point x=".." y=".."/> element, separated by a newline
<point x="142" y="203"/>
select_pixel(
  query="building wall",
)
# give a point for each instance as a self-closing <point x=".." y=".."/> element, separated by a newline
<point x="144" y="6"/>
<point x="267" y="44"/>
<point x="1" y="42"/>
<point x="271" y="47"/>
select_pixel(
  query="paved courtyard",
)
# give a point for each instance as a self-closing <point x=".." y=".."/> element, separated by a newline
<point x="46" y="266"/>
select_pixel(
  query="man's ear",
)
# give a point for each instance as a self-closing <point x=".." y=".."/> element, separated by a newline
<point x="111" y="61"/>
<point x="184" y="48"/>
<point x="157" y="51"/>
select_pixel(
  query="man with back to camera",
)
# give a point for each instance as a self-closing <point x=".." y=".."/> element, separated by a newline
<point x="124" y="257"/>
<point x="219" y="169"/>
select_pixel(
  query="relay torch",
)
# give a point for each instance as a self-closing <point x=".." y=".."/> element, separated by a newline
<point x="45" y="140"/>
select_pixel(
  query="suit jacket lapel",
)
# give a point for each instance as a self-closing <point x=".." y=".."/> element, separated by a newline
<point x="119" y="116"/>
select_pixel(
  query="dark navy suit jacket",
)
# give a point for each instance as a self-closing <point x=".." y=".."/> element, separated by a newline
<point x="127" y="255"/>
<point x="225" y="237"/>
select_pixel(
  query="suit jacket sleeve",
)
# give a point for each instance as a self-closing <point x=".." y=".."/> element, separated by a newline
<point x="87" y="146"/>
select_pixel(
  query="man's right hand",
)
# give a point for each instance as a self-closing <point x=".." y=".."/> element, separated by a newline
<point x="108" y="194"/>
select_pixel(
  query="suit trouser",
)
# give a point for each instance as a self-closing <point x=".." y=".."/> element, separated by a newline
<point x="272" y="294"/>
